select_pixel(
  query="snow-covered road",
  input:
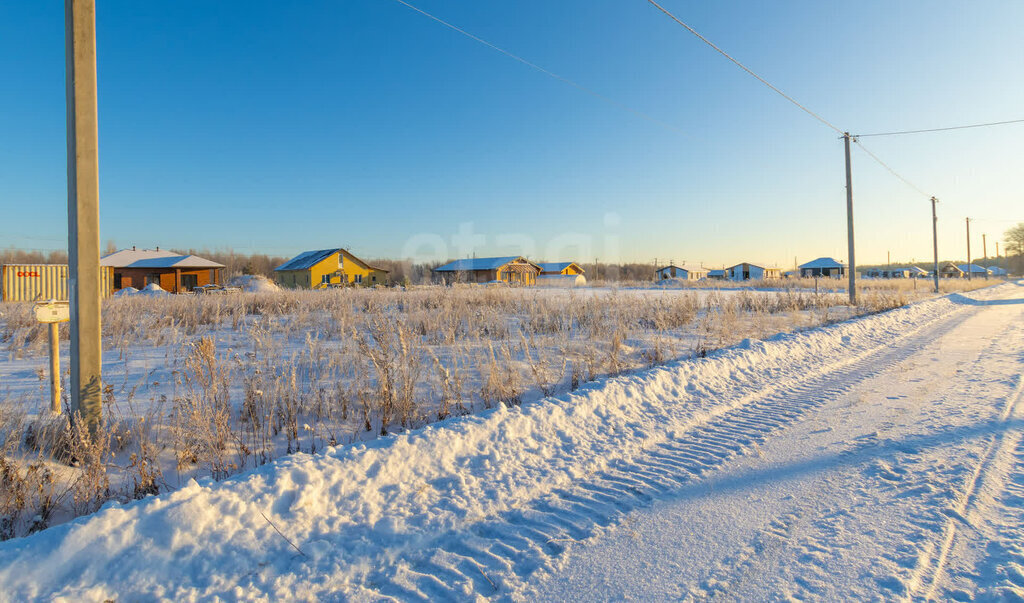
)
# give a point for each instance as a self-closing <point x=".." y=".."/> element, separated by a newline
<point x="905" y="482"/>
<point x="880" y="458"/>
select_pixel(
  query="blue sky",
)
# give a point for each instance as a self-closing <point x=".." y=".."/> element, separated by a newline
<point x="277" y="127"/>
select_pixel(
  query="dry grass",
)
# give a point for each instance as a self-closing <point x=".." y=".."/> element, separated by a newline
<point x="232" y="382"/>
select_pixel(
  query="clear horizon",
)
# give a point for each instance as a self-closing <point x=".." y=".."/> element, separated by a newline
<point x="277" y="129"/>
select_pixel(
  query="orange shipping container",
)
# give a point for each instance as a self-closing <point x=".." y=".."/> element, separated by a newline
<point x="37" y="282"/>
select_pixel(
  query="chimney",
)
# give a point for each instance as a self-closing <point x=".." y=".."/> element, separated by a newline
<point x="158" y="248"/>
<point x="133" y="247"/>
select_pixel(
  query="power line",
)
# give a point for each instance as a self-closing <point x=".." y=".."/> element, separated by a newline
<point x="890" y="170"/>
<point x="743" y="67"/>
<point x="984" y="125"/>
<point x="551" y="74"/>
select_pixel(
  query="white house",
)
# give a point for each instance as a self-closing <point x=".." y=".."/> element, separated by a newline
<point x="823" y="267"/>
<point x="687" y="273"/>
<point x="752" y="272"/>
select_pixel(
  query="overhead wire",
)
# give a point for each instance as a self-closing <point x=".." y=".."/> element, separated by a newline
<point x="546" y="72"/>
<point x="984" y="125"/>
<point x="725" y="54"/>
<point x="745" y="68"/>
<point x="889" y="168"/>
<point x="789" y="98"/>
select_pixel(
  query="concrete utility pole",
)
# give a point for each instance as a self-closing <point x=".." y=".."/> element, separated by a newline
<point x="969" y="271"/>
<point x="83" y="211"/>
<point x="997" y="250"/>
<point x="852" y="269"/>
<point x="935" y="245"/>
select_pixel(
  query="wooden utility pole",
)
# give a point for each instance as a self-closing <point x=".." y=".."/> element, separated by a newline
<point x="83" y="211"/>
<point x="984" y="254"/>
<point x="935" y="245"/>
<point x="852" y="268"/>
<point x="969" y="271"/>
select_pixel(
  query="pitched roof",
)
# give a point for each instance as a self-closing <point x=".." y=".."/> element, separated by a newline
<point x="917" y="270"/>
<point x="469" y="264"/>
<point x="124" y="257"/>
<point x="974" y="268"/>
<point x="307" y="259"/>
<point x="155" y="258"/>
<point x="823" y="263"/>
<point x="554" y="266"/>
<point x="684" y="268"/>
<point x="752" y="265"/>
<point x="177" y="261"/>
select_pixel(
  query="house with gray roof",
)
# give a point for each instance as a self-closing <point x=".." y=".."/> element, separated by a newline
<point x="686" y="273"/>
<point x="512" y="270"/>
<point x="326" y="268"/>
<point x="822" y="267"/>
<point x="170" y="271"/>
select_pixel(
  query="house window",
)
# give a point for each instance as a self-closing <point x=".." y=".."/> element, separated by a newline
<point x="325" y="279"/>
<point x="359" y="278"/>
<point x="373" y="278"/>
<point x="153" y="279"/>
<point x="117" y="280"/>
<point x="188" y="281"/>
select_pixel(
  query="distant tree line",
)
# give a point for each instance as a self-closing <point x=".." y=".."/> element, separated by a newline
<point x="13" y="255"/>
<point x="407" y="272"/>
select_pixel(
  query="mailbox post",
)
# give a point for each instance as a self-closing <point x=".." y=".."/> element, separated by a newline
<point x="54" y="313"/>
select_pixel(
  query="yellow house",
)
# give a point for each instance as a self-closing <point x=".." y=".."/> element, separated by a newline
<point x="327" y="268"/>
<point x="560" y="268"/>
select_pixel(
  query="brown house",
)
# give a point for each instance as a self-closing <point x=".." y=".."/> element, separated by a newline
<point x="171" y="272"/>
<point x="513" y="270"/>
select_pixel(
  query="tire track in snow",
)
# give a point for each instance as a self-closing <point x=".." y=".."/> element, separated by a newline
<point x="492" y="557"/>
<point x="1001" y="575"/>
<point x="931" y="565"/>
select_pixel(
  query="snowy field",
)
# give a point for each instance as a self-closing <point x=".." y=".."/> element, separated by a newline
<point x="873" y="458"/>
<point x="213" y="385"/>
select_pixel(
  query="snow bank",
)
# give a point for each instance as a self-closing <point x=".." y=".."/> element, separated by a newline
<point x="254" y="283"/>
<point x="357" y="508"/>
<point x="152" y="289"/>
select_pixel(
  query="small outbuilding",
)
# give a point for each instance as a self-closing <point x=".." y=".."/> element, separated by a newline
<point x="170" y="271"/>
<point x="323" y="268"/>
<point x="686" y="273"/>
<point x="718" y="275"/>
<point x="512" y="270"/>
<point x="826" y="267"/>
<point x="747" y="271"/>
